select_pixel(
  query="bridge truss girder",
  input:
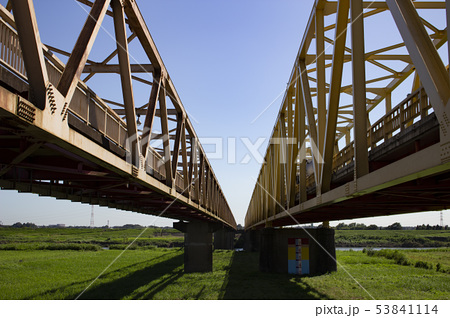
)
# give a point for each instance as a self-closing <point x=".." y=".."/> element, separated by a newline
<point x="179" y="165"/>
<point x="324" y="145"/>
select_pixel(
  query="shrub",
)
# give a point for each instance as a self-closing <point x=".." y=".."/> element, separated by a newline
<point x="390" y="254"/>
<point x="422" y="264"/>
<point x="70" y="246"/>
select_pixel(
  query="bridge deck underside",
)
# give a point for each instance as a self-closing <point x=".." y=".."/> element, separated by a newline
<point x="43" y="171"/>
<point x="428" y="193"/>
<point x="33" y="161"/>
<point x="424" y="194"/>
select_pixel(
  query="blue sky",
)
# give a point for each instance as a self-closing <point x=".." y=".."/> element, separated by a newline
<point x="229" y="61"/>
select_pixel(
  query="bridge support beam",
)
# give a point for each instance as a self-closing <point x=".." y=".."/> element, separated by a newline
<point x="224" y="239"/>
<point x="298" y="251"/>
<point x="197" y="246"/>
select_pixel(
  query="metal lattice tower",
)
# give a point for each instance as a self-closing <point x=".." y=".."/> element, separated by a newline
<point x="92" y="217"/>
<point x="442" y="219"/>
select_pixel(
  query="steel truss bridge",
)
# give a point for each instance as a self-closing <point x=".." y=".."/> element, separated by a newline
<point x="363" y="128"/>
<point x="59" y="138"/>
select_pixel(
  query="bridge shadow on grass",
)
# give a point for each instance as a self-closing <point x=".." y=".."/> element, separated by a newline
<point x="245" y="281"/>
<point x="134" y="281"/>
<point x="139" y="284"/>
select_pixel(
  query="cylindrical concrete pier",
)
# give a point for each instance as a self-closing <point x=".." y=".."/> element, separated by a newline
<point x="298" y="251"/>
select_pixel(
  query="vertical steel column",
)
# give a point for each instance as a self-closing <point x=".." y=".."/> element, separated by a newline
<point x="150" y="114"/>
<point x="300" y="115"/>
<point x="309" y="110"/>
<point x="447" y="2"/>
<point x="165" y="136"/>
<point x="186" y="176"/>
<point x="359" y="90"/>
<point x="125" y="76"/>
<point x="321" y="89"/>
<point x="295" y="146"/>
<point x="176" y="146"/>
<point x="335" y="92"/>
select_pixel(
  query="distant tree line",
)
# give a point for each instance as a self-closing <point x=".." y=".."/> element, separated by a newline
<point x="34" y="226"/>
<point x="431" y="227"/>
<point x="28" y="224"/>
<point x="356" y="226"/>
<point x="362" y="226"/>
<point x="393" y="226"/>
<point x="340" y="226"/>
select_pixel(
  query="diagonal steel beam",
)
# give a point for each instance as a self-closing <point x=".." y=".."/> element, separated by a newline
<point x="109" y="57"/>
<point x="71" y="75"/>
<point x="425" y="57"/>
<point x="21" y="157"/>
<point x="33" y="56"/>
<point x="137" y="23"/>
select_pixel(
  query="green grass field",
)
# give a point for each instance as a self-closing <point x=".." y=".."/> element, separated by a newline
<point x="392" y="238"/>
<point x="88" y="239"/>
<point x="63" y="263"/>
<point x="158" y="274"/>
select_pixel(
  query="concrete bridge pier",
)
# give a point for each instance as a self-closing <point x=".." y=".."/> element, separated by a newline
<point x="252" y="240"/>
<point x="198" y="246"/>
<point x="298" y="251"/>
<point x="224" y="239"/>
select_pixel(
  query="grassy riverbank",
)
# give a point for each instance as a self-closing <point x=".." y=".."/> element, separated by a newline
<point x="97" y="238"/>
<point x="87" y="239"/>
<point x="158" y="274"/>
<point x="62" y="263"/>
<point x="392" y="238"/>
